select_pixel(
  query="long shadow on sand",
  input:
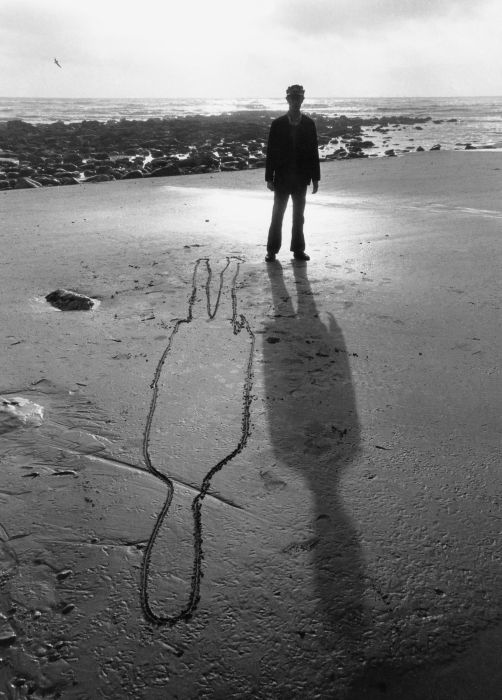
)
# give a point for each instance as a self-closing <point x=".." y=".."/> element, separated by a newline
<point x="314" y="431"/>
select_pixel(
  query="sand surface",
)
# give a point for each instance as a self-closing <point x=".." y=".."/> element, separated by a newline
<point x="347" y="541"/>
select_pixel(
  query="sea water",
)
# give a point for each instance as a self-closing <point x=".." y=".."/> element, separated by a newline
<point x="478" y="120"/>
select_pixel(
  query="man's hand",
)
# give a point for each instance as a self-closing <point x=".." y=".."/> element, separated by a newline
<point x="315" y="186"/>
<point x="270" y="185"/>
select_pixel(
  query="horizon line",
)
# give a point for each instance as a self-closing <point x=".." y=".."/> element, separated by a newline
<point x="255" y="97"/>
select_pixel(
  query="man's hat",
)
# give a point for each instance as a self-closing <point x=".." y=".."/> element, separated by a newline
<point x="295" y="90"/>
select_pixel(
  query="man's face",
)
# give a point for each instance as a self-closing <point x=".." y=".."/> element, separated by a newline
<point x="295" y="101"/>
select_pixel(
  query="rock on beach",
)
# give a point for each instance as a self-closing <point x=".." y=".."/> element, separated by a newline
<point x="69" y="301"/>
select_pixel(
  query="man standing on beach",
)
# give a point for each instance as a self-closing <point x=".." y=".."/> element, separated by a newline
<point x="292" y="163"/>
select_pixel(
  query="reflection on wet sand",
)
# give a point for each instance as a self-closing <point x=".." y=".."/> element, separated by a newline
<point x="314" y="430"/>
<point x="72" y="528"/>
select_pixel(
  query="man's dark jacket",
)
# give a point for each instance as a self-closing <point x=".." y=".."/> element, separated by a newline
<point x="279" y="165"/>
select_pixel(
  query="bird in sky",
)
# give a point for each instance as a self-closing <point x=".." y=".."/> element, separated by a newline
<point x="57" y="63"/>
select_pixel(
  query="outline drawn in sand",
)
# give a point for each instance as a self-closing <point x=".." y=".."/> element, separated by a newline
<point x="238" y="323"/>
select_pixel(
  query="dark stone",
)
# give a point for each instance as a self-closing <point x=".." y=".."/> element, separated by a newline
<point x="68" y="180"/>
<point x="158" y="163"/>
<point x="47" y="180"/>
<point x="26" y="183"/>
<point x="470" y="147"/>
<point x="420" y="149"/>
<point x="100" y="169"/>
<point x="255" y="162"/>
<point x="229" y="166"/>
<point x="49" y="169"/>
<point x="166" y="170"/>
<point x="437" y="147"/>
<point x="60" y="172"/>
<point x="101" y="177"/>
<point x="189" y="162"/>
<point x="74" y="158"/>
<point x="69" y="301"/>
<point x="132" y="174"/>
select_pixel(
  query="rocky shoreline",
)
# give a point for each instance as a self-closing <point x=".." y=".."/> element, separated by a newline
<point x="60" y="153"/>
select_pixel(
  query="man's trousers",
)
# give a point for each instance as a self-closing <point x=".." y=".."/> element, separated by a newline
<point x="281" y="196"/>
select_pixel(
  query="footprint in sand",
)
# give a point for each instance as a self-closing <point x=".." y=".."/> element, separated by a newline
<point x="197" y="423"/>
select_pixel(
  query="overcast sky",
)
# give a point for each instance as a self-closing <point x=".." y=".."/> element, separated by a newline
<point x="231" y="48"/>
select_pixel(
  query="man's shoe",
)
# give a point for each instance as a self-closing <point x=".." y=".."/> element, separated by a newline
<point x="301" y="256"/>
<point x="270" y="257"/>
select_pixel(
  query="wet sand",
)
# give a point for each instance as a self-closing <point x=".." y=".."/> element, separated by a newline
<point x="347" y="542"/>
